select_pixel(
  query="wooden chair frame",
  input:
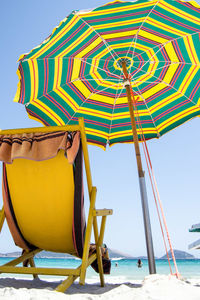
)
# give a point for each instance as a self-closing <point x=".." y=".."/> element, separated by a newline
<point x="72" y="274"/>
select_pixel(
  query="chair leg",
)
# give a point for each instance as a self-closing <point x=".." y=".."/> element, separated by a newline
<point x="101" y="236"/>
<point x="99" y="241"/>
<point x="87" y="237"/>
<point x="100" y="266"/>
<point x="2" y="218"/>
<point x="29" y="261"/>
<point x="98" y="250"/>
<point x="66" y="283"/>
<point x="32" y="264"/>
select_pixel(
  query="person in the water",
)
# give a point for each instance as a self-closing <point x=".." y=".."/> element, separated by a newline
<point x="139" y="263"/>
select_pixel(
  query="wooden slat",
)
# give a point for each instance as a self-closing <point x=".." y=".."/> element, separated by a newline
<point x="41" y="271"/>
<point x="40" y="129"/>
<point x="102" y="212"/>
<point x="23" y="257"/>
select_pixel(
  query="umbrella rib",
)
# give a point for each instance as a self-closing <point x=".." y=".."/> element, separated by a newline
<point x="176" y="63"/>
<point x="177" y="90"/>
<point x="140" y="94"/>
<point x="163" y="45"/>
<point x="99" y="68"/>
<point x="157" y="78"/>
<point x="148" y="73"/>
<point x="62" y="85"/>
<point x="67" y="57"/>
<point x="72" y="57"/>
<point x="85" y="80"/>
<point x="103" y="40"/>
<point x="166" y="61"/>
<point x="80" y="78"/>
<point x="174" y="89"/>
<point x="138" y="31"/>
<point x="93" y="93"/>
<point x="86" y="58"/>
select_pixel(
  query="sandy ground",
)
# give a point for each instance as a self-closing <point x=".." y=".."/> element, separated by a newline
<point x="153" y="287"/>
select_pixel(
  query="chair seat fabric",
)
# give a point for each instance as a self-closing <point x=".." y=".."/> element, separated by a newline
<point x="43" y="199"/>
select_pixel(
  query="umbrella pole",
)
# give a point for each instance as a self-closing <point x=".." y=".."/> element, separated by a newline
<point x="143" y="192"/>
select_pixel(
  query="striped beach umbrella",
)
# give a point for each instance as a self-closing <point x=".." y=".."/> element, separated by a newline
<point x="113" y="63"/>
<point x="77" y="71"/>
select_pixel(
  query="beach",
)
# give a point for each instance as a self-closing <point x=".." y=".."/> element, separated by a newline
<point x="153" y="287"/>
<point x="131" y="71"/>
<point x="126" y="281"/>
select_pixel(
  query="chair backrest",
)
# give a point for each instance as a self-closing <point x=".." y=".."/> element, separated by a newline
<point x="43" y="202"/>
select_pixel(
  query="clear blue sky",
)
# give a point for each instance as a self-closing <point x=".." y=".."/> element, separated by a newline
<point x="175" y="156"/>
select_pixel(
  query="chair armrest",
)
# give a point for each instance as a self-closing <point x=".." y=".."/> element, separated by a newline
<point x="102" y="212"/>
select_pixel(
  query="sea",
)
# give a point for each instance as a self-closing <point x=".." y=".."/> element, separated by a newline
<point x="122" y="270"/>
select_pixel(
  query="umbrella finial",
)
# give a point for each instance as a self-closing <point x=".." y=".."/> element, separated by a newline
<point x="124" y="60"/>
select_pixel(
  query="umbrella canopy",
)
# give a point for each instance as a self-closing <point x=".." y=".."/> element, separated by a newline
<point x="77" y="71"/>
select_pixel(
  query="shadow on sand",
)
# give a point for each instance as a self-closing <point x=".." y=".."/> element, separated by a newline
<point x="93" y="288"/>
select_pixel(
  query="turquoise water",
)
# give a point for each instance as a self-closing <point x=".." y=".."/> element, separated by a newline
<point x="123" y="269"/>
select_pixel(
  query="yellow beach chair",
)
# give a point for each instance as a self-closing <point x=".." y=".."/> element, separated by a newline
<point x="43" y="199"/>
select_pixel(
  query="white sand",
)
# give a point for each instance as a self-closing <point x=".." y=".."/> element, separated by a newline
<point x="153" y="287"/>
